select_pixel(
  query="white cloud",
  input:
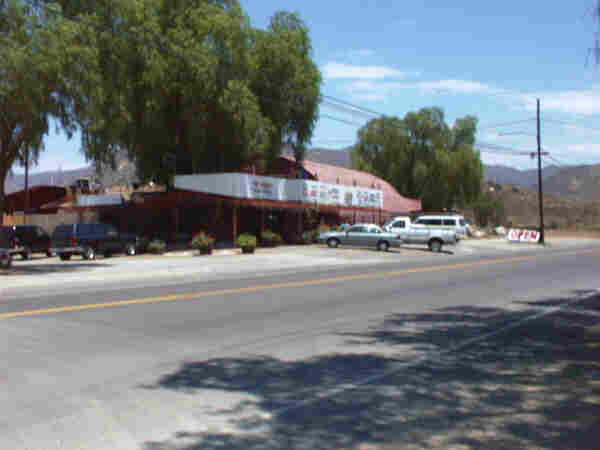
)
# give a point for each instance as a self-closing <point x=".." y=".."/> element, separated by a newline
<point x="456" y="87"/>
<point x="379" y="90"/>
<point x="335" y="70"/>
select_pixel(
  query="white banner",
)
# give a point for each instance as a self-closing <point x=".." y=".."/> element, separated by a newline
<point x="516" y="235"/>
<point x="240" y="185"/>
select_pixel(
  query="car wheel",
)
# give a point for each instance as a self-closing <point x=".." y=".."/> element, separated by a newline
<point x="64" y="256"/>
<point x="26" y="254"/>
<point x="130" y="250"/>
<point x="383" y="246"/>
<point x="435" y="246"/>
<point x="49" y="254"/>
<point x="89" y="254"/>
<point x="333" y="243"/>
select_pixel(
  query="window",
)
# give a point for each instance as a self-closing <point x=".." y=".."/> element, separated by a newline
<point x="357" y="229"/>
<point x="431" y="222"/>
<point x="462" y="222"/>
<point x="450" y="222"/>
<point x="399" y="224"/>
<point x="374" y="230"/>
<point x="86" y="228"/>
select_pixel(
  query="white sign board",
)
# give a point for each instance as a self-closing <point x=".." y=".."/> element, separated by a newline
<point x="516" y="235"/>
<point x="240" y="185"/>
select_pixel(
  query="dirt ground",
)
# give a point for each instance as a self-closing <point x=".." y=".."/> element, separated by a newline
<point x="573" y="234"/>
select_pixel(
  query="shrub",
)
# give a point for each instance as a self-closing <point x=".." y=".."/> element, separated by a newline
<point x="323" y="229"/>
<point x="270" y="238"/>
<point x="308" y="237"/>
<point x="202" y="240"/>
<point x="246" y="240"/>
<point x="156" y="246"/>
<point x="489" y="210"/>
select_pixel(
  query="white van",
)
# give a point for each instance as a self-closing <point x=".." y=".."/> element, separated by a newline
<point x="450" y="222"/>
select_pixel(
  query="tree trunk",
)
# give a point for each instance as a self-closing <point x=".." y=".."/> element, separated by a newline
<point x="3" y="173"/>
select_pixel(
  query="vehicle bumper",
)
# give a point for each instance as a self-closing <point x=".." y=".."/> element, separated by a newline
<point x="72" y="250"/>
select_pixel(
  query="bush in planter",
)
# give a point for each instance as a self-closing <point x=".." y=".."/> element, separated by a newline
<point x="203" y="242"/>
<point x="156" y="246"/>
<point x="310" y="236"/>
<point x="323" y="229"/>
<point x="247" y="242"/>
<point x="271" y="239"/>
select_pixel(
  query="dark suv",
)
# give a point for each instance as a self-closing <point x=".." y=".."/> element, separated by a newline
<point x="32" y="238"/>
<point x="9" y="244"/>
<point x="90" y="239"/>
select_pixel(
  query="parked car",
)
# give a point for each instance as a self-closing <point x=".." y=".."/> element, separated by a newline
<point x="424" y="230"/>
<point x="448" y="222"/>
<point x="5" y="259"/>
<point x="361" y="235"/>
<point x="32" y="238"/>
<point x="90" y="239"/>
<point x="9" y="245"/>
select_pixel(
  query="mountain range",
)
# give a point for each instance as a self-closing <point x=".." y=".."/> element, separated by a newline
<point x="574" y="182"/>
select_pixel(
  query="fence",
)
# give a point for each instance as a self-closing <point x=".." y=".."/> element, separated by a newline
<point x="13" y="220"/>
<point x="47" y="221"/>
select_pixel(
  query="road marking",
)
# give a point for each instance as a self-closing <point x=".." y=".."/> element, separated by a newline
<point x="268" y="287"/>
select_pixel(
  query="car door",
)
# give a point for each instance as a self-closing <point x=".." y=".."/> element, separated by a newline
<point x="420" y="231"/>
<point x="41" y="240"/>
<point x="400" y="228"/>
<point x="372" y="237"/>
<point x="354" y="235"/>
<point x="113" y="239"/>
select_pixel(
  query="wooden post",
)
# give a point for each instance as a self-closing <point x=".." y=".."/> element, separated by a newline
<point x="235" y="224"/>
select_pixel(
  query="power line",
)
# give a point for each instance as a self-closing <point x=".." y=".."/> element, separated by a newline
<point x="337" y="119"/>
<point x="345" y="109"/>
<point x="505" y="124"/>
<point x="577" y="124"/>
<point x="360" y="108"/>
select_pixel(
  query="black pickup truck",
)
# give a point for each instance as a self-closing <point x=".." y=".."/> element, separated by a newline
<point x="90" y="239"/>
<point x="9" y="245"/>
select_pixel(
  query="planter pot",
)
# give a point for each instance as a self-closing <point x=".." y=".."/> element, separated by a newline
<point x="247" y="250"/>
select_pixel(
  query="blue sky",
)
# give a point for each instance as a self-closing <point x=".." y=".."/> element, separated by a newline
<point x="483" y="58"/>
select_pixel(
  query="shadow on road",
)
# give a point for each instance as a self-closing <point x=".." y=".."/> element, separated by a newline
<point x="454" y="380"/>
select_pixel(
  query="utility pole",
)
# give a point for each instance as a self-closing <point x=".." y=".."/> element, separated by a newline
<point x="540" y="190"/>
<point x="26" y="185"/>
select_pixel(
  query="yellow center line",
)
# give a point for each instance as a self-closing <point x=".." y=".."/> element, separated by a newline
<point x="267" y="287"/>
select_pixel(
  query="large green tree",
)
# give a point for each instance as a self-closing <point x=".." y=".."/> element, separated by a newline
<point x="190" y="86"/>
<point x="42" y="68"/>
<point x="423" y="157"/>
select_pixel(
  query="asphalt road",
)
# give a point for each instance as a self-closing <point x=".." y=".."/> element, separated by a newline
<point x="475" y="351"/>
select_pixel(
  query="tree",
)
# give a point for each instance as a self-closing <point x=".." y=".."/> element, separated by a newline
<point x="189" y="86"/>
<point x="40" y="60"/>
<point x="489" y="210"/>
<point x="421" y="156"/>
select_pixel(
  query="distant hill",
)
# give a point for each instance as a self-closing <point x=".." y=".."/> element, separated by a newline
<point x="51" y="178"/>
<point x="123" y="174"/>
<point x="577" y="183"/>
<point x="509" y="175"/>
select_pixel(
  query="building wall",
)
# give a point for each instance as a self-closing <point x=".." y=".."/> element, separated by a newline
<point x="47" y="221"/>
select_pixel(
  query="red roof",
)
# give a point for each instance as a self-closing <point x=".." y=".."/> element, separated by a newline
<point x="392" y="201"/>
<point x="38" y="196"/>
